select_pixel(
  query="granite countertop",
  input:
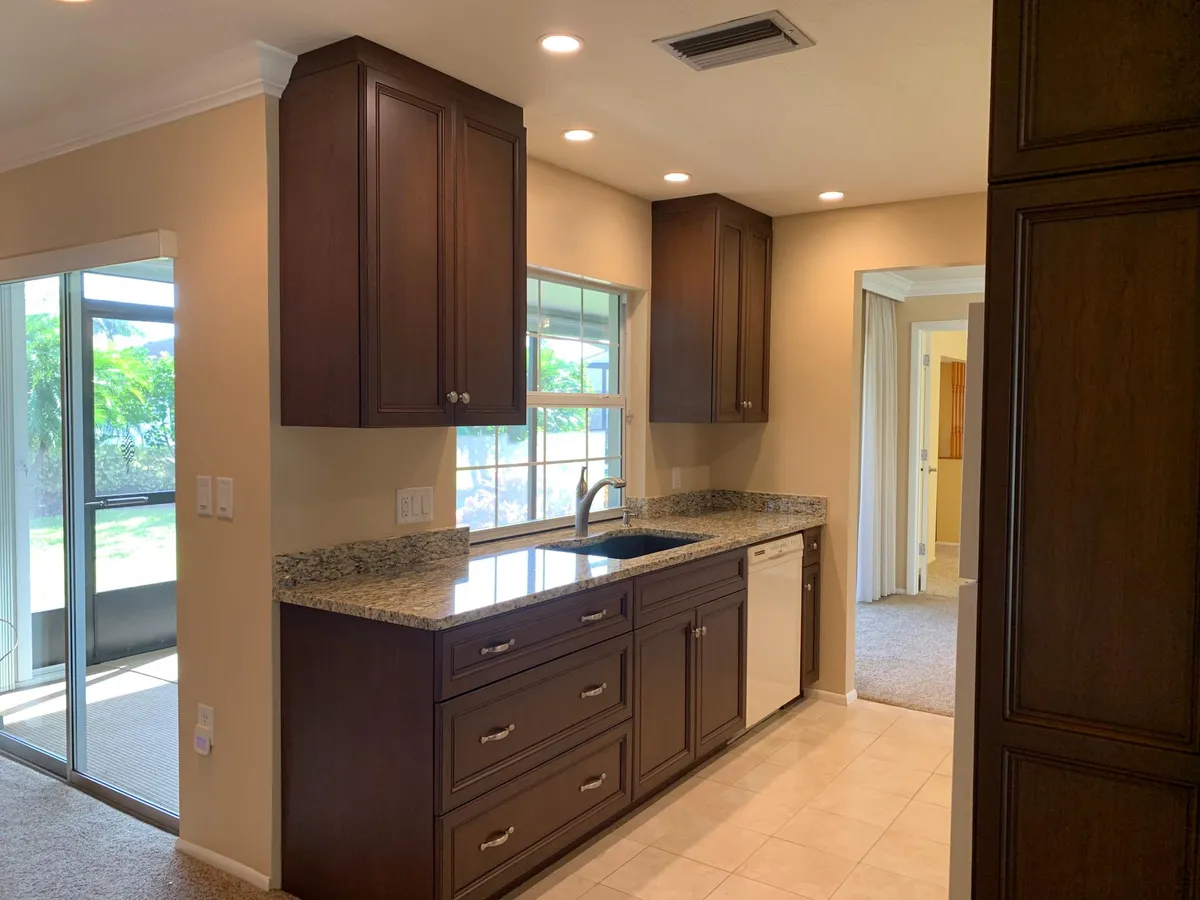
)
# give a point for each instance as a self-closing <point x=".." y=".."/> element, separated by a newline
<point x="510" y="574"/>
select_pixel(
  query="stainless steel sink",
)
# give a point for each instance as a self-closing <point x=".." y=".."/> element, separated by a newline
<point x="624" y="545"/>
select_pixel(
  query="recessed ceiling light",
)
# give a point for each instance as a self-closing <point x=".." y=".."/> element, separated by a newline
<point x="831" y="196"/>
<point x="677" y="176"/>
<point x="560" y="43"/>
<point x="578" y="134"/>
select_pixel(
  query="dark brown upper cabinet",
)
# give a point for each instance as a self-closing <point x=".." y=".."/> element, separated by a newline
<point x="1049" y="113"/>
<point x="402" y="245"/>
<point x="710" y="311"/>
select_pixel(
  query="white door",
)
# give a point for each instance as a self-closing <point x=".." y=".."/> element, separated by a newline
<point x="923" y="465"/>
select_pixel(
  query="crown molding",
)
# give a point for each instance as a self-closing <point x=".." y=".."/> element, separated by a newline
<point x="246" y="71"/>
<point x="897" y="287"/>
<point x="889" y="284"/>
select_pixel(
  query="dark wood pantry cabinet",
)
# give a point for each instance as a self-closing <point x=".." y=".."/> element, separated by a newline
<point x="402" y="245"/>
<point x="710" y="311"/>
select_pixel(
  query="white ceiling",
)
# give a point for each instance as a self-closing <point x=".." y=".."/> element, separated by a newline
<point x="891" y="103"/>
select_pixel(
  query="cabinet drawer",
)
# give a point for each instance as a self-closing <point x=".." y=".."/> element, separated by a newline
<point x="812" y="546"/>
<point x="661" y="594"/>
<point x="500" y="838"/>
<point x="480" y="653"/>
<point x="496" y="733"/>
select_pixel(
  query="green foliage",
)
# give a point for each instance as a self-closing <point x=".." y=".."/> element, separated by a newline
<point x="134" y="404"/>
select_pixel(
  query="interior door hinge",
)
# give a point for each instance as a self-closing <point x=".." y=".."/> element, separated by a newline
<point x="922" y="549"/>
<point x="924" y="455"/>
<point x="925" y="360"/>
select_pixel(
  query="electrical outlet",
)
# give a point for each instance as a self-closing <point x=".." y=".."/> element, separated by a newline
<point x="414" y="505"/>
<point x="202" y="737"/>
<point x="204" y="715"/>
<point x="676" y="478"/>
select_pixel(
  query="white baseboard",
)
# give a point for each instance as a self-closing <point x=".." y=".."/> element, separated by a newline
<point x="225" y="864"/>
<point x="832" y="697"/>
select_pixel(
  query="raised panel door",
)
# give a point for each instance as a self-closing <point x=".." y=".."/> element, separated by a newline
<point x="1116" y="86"/>
<point x="720" y="671"/>
<point x="1089" y="607"/>
<point x="490" y="275"/>
<point x="756" y="325"/>
<point x="810" y="627"/>
<point x="727" y="397"/>
<point x="406" y="349"/>
<point x="664" y="710"/>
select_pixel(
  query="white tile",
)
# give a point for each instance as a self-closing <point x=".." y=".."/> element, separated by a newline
<point x="936" y="790"/>
<point x="820" y="830"/>
<point x="657" y="875"/>
<point x="947" y="766"/>
<point x="883" y="776"/>
<point x="913" y="857"/>
<point x="914" y="755"/>
<point x="558" y="885"/>
<point x="729" y="766"/>
<point x="861" y="803"/>
<point x="793" y="785"/>
<point x="737" y="806"/>
<point x="601" y="859"/>
<point x="715" y="844"/>
<point x="735" y="887"/>
<point x="924" y="728"/>
<point x="604" y="892"/>
<point x="925" y="820"/>
<point x="869" y="883"/>
<point x="801" y="870"/>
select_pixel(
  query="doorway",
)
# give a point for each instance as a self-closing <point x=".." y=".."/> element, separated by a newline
<point x="88" y="672"/>
<point x="906" y="631"/>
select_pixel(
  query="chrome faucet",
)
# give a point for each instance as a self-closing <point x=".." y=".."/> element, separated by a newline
<point x="585" y="496"/>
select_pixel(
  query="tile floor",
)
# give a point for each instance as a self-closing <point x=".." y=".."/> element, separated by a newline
<point x="849" y="803"/>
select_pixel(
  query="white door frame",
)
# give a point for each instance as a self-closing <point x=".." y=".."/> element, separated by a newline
<point x="916" y="418"/>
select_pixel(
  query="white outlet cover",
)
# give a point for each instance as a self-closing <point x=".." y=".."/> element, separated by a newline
<point x="204" y="505"/>
<point x="676" y="477"/>
<point x="225" y="498"/>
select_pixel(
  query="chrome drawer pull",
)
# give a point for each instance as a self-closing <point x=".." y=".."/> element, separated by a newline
<point x="593" y="692"/>
<point x="498" y="735"/>
<point x="497" y="841"/>
<point x="498" y="648"/>
<point x="594" y="617"/>
<point x="594" y="783"/>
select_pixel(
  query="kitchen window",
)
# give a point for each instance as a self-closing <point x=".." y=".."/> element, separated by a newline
<point x="509" y="476"/>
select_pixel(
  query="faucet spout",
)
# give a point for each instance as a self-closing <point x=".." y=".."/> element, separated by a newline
<point x="583" y="505"/>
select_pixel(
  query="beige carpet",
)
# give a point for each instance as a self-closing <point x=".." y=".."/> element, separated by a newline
<point x="57" y="843"/>
<point x="905" y="645"/>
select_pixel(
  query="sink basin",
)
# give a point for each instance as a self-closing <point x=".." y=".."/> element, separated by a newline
<point x="627" y="546"/>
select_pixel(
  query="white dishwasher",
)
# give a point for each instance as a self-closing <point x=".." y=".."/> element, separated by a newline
<point x="775" y="596"/>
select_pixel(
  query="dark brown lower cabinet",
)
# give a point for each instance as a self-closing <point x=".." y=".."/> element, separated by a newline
<point x="690" y="694"/>
<point x="720" y="672"/>
<point x="810" y="627"/>
<point x="453" y="765"/>
<point x="664" y="662"/>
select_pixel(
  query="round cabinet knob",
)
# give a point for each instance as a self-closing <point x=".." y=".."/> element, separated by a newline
<point x="749" y="404"/>
<point x="452" y="396"/>
<point x="464" y="398"/>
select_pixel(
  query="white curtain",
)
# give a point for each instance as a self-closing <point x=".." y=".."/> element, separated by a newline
<point x="877" y="494"/>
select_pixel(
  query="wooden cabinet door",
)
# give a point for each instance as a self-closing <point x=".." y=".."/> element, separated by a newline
<point x="720" y="671"/>
<point x="727" y="396"/>
<point x="810" y="627"/>
<point x="1088" y="720"/>
<point x="756" y="324"/>
<point x="1117" y="85"/>
<point x="406" y="348"/>
<point x="664" y="708"/>
<point x="489" y="286"/>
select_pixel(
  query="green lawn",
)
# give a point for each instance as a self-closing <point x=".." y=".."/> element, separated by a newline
<point x="133" y="546"/>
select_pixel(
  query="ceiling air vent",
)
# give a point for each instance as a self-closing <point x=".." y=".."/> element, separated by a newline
<point x="738" y="41"/>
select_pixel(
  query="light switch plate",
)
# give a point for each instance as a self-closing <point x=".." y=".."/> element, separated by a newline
<point x="225" y="498"/>
<point x="204" y="505"/>
<point x="414" y="505"/>
<point x="676" y="478"/>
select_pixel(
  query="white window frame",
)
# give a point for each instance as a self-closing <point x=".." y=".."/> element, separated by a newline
<point x="552" y="400"/>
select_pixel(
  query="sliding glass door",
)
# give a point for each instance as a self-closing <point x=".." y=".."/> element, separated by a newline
<point x="100" y="595"/>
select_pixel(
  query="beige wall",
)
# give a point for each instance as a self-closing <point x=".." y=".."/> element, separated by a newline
<point x="949" y="508"/>
<point x="812" y="443"/>
<point x="206" y="178"/>
<point x="951" y="307"/>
